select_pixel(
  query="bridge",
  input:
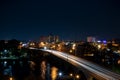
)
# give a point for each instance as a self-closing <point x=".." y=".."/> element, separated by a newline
<point x="91" y="70"/>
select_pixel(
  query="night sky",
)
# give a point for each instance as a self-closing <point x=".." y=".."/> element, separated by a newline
<point x="69" y="19"/>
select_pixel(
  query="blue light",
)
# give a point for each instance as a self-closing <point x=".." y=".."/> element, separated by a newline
<point x="98" y="41"/>
<point x="104" y="41"/>
<point x="5" y="50"/>
<point x="60" y="73"/>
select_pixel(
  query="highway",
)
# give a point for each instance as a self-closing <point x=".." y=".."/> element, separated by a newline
<point x="97" y="71"/>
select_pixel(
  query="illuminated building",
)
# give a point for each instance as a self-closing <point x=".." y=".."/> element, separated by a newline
<point x="91" y="39"/>
<point x="44" y="39"/>
<point x="49" y="39"/>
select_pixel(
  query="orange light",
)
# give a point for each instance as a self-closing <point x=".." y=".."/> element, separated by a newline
<point x="11" y="78"/>
<point x="71" y="74"/>
<point x="77" y="76"/>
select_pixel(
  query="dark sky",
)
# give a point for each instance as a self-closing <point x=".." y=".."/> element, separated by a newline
<point x="70" y="19"/>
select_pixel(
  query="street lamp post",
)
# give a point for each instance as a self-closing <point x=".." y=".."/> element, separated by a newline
<point x="74" y="48"/>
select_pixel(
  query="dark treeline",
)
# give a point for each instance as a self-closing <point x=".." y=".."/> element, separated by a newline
<point x="9" y="44"/>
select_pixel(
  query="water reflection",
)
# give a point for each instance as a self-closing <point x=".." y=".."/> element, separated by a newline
<point x="54" y="72"/>
<point x="11" y="78"/>
<point x="8" y="70"/>
<point x="32" y="65"/>
<point x="32" y="70"/>
<point x="27" y="70"/>
<point x="43" y="69"/>
<point x="5" y="63"/>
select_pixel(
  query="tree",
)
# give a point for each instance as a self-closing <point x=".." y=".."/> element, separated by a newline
<point x="2" y="45"/>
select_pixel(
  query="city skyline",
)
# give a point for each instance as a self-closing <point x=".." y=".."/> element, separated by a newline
<point x="74" y="20"/>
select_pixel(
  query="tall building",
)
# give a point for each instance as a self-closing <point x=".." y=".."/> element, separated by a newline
<point x="43" y="39"/>
<point x="50" y="38"/>
<point x="53" y="38"/>
<point x="91" y="39"/>
<point x="56" y="38"/>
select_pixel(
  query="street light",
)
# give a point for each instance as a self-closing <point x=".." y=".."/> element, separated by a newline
<point x="77" y="76"/>
<point x="74" y="48"/>
<point x="60" y="74"/>
<point x="71" y="74"/>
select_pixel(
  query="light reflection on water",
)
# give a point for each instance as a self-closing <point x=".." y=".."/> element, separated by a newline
<point x="11" y="78"/>
<point x="54" y="72"/>
<point x="32" y="65"/>
<point x="43" y="69"/>
<point x="29" y="70"/>
<point x="46" y="71"/>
